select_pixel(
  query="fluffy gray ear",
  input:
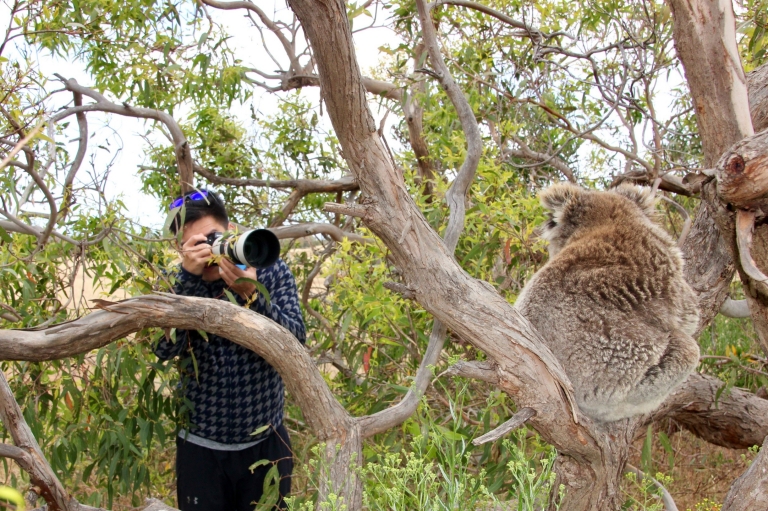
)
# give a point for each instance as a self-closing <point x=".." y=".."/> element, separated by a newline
<point x="642" y="196"/>
<point x="558" y="195"/>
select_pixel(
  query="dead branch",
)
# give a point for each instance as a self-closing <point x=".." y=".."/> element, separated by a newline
<point x="353" y="210"/>
<point x="517" y="420"/>
<point x="400" y="289"/>
<point x="483" y="371"/>
<point x="669" y="182"/>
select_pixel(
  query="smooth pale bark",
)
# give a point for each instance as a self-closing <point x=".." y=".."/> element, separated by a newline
<point x="705" y="39"/>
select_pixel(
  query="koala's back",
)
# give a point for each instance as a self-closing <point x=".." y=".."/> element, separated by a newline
<point x="614" y="308"/>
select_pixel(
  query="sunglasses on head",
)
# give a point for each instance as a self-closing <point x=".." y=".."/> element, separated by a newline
<point x="193" y="196"/>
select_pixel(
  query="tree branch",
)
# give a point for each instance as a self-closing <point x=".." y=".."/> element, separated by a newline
<point x="324" y="415"/>
<point x="734" y="419"/>
<point x="28" y="454"/>
<point x="310" y="229"/>
<point x="102" y="104"/>
<point x="343" y="184"/>
<point x="734" y="308"/>
<point x="750" y="491"/>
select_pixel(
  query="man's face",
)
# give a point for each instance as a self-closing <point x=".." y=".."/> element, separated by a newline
<point x="205" y="226"/>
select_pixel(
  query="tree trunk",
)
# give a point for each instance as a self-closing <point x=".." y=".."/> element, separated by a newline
<point x="750" y="491"/>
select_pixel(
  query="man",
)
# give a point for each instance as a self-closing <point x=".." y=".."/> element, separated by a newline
<point x="234" y="399"/>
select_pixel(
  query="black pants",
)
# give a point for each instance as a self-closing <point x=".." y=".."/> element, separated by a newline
<point x="213" y="480"/>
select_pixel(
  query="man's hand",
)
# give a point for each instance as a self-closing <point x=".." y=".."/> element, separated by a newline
<point x="230" y="273"/>
<point x="195" y="257"/>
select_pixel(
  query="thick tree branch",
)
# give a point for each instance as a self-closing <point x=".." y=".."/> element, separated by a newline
<point x="517" y="420"/>
<point x="324" y="415"/>
<point x="757" y="83"/>
<point x="735" y="419"/>
<point x="28" y="453"/>
<point x="750" y="491"/>
<point x="455" y="197"/>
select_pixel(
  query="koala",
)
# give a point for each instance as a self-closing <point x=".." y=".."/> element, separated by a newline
<point x="611" y="302"/>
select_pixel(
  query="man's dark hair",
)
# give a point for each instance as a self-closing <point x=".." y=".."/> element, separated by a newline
<point x="194" y="210"/>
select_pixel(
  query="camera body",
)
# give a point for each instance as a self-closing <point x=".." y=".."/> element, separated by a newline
<point x="257" y="248"/>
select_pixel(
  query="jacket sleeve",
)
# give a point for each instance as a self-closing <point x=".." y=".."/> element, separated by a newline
<point x="283" y="307"/>
<point x="185" y="284"/>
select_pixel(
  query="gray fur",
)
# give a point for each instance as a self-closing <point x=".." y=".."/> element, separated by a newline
<point x="612" y="303"/>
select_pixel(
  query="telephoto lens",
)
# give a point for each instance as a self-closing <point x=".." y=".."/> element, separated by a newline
<point x="258" y="248"/>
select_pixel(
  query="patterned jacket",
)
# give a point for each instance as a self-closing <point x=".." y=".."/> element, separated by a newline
<point x="229" y="390"/>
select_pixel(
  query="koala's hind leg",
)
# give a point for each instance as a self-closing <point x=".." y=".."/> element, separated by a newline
<point x="677" y="362"/>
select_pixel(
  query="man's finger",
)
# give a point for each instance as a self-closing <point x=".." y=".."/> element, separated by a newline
<point x="194" y="240"/>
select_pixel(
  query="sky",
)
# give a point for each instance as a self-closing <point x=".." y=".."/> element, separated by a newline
<point x="120" y="140"/>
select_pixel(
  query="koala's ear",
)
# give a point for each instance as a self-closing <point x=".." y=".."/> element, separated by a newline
<point x="642" y="196"/>
<point x="556" y="196"/>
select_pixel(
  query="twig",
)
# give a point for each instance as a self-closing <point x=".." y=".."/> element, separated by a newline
<point x="512" y="424"/>
<point x="483" y="371"/>
<point x="666" y="498"/>
<point x="684" y="213"/>
<point x="400" y="289"/>
<point x="22" y="143"/>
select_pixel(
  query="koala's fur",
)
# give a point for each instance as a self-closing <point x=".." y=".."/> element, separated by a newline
<point x="612" y="303"/>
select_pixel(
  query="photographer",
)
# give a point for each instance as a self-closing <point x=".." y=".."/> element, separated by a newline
<point x="229" y="391"/>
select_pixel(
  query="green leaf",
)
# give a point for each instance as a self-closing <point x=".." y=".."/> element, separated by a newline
<point x="13" y="496"/>
<point x="5" y="236"/>
<point x="230" y="296"/>
<point x="646" y="455"/>
<point x="260" y="430"/>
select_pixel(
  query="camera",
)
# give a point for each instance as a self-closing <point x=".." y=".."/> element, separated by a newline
<point x="258" y="248"/>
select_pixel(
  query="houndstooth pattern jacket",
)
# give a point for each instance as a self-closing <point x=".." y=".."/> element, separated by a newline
<point x="232" y="392"/>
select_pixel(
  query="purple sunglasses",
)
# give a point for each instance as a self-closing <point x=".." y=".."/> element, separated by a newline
<point x="196" y="195"/>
